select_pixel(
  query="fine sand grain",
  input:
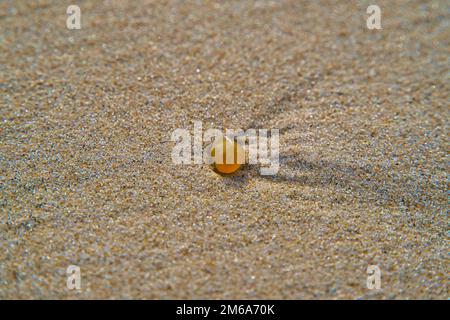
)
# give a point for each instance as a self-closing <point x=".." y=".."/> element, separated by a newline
<point x="87" y="179"/>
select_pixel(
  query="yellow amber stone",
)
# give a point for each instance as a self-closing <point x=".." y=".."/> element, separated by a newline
<point x="226" y="146"/>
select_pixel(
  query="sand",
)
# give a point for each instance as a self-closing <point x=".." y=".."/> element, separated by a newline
<point x="85" y="152"/>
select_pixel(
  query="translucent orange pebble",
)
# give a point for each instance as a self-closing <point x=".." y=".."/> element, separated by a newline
<point x="227" y="146"/>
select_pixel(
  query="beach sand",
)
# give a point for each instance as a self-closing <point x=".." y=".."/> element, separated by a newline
<point x="87" y="177"/>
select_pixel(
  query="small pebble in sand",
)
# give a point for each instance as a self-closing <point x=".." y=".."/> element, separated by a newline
<point x="225" y="146"/>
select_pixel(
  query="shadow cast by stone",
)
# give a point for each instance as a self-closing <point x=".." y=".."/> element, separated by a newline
<point x="364" y="184"/>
